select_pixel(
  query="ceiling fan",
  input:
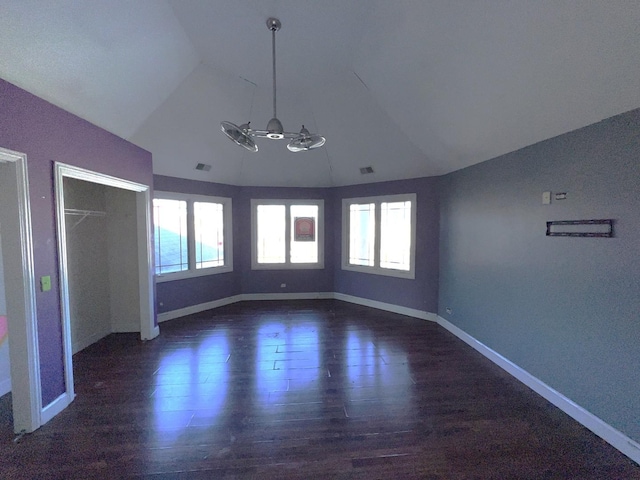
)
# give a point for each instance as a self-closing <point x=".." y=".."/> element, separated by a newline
<point x="243" y="135"/>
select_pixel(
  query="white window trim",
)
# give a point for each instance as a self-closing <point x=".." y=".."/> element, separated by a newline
<point x="228" y="236"/>
<point x="287" y="265"/>
<point x="376" y="269"/>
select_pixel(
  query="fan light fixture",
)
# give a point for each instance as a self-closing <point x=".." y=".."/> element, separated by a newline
<point x="243" y="135"/>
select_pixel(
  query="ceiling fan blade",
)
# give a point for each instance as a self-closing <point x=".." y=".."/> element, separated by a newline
<point x="302" y="143"/>
<point x="239" y="135"/>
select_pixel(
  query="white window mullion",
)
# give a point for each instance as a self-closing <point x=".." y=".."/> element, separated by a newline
<point x="305" y="251"/>
<point x="287" y="236"/>
<point x="376" y="238"/>
<point x="191" y="236"/>
<point x="179" y="229"/>
<point x="395" y="256"/>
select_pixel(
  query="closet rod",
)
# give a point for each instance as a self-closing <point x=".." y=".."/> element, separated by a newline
<point x="86" y="213"/>
<point x="83" y="214"/>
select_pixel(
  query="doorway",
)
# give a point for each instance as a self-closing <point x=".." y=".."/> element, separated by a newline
<point x="124" y="199"/>
<point x="17" y="256"/>
<point x="18" y="263"/>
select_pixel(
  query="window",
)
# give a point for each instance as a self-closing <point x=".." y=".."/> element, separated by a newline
<point x="192" y="235"/>
<point x="379" y="235"/>
<point x="287" y="234"/>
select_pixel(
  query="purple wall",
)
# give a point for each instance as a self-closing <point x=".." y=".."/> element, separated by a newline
<point x="420" y="293"/>
<point x="268" y="281"/>
<point x="47" y="134"/>
<point x="178" y="294"/>
<point x="198" y="290"/>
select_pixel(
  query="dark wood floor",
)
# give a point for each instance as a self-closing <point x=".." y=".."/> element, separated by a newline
<point x="313" y="389"/>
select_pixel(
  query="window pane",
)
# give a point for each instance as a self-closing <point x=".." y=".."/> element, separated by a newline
<point x="362" y="225"/>
<point x="270" y="234"/>
<point x="209" y="232"/>
<point x="304" y="233"/>
<point x="170" y="232"/>
<point x="395" y="235"/>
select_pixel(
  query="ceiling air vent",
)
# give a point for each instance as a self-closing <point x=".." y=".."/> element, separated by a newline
<point x="366" y="170"/>
<point x="203" y="166"/>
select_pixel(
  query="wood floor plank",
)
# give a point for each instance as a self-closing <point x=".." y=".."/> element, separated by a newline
<point x="302" y="389"/>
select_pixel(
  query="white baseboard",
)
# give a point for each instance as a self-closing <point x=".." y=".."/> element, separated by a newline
<point x="55" y="407"/>
<point x="5" y="386"/>
<point x="388" y="307"/>
<point x="201" y="307"/>
<point x="605" y="431"/>
<point x="411" y="312"/>
<point x="83" y="343"/>
<point x="287" y="296"/>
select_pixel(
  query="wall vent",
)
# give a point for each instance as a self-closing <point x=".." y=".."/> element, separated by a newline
<point x="366" y="170"/>
<point x="203" y="166"/>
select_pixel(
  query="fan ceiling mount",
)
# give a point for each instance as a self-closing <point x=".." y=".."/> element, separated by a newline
<point x="243" y="135"/>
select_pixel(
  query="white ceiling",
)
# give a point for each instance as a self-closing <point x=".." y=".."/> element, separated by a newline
<point x="410" y="87"/>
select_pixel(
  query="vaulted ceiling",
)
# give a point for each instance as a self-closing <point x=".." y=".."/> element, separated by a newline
<point x="410" y="87"/>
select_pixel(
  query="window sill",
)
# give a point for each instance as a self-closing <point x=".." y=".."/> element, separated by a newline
<point x="287" y="266"/>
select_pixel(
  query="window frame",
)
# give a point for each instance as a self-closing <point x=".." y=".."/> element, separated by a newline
<point x="227" y="225"/>
<point x="287" y="265"/>
<point x="376" y="269"/>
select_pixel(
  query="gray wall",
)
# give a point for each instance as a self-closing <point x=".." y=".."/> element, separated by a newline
<point x="567" y="310"/>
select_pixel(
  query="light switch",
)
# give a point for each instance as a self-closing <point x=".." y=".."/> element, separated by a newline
<point x="546" y="198"/>
<point x="45" y="283"/>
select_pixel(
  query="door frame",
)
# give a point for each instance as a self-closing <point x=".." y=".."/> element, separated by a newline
<point x="148" y="329"/>
<point x="17" y="252"/>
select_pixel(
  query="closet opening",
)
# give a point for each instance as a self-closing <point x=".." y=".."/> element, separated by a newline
<point x="105" y="259"/>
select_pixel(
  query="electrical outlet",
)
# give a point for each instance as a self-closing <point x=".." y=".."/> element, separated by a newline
<point x="449" y="311"/>
<point x="283" y="285"/>
<point x="45" y="283"/>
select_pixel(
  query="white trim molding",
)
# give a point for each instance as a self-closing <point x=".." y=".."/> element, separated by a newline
<point x="201" y="307"/>
<point x="191" y="221"/>
<point x="148" y="329"/>
<point x="288" y="296"/>
<point x="181" y="312"/>
<point x="388" y="307"/>
<point x="17" y="251"/>
<point x="55" y="407"/>
<point x="376" y="268"/>
<point x="602" y="429"/>
<point x="287" y="204"/>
